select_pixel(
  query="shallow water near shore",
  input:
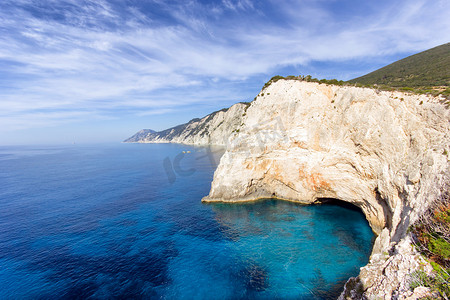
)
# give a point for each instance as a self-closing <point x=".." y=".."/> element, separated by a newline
<point x="126" y="221"/>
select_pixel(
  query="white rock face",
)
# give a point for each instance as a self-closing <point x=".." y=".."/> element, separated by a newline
<point x="385" y="152"/>
<point x="213" y="129"/>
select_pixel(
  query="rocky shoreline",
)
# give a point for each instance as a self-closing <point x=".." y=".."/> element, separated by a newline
<point x="384" y="152"/>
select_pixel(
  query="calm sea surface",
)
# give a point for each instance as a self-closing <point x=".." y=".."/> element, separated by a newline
<point x="126" y="221"/>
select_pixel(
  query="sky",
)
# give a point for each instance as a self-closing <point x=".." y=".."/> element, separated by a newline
<point x="88" y="71"/>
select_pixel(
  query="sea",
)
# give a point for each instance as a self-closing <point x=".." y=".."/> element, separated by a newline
<point x="126" y="221"/>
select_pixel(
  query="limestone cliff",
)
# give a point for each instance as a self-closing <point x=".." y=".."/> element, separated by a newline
<point x="385" y="152"/>
<point x="213" y="129"/>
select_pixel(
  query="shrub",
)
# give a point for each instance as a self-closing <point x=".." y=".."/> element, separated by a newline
<point x="276" y="78"/>
<point x="432" y="90"/>
<point x="431" y="235"/>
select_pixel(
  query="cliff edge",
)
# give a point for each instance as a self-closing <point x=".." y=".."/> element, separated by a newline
<point x="213" y="129"/>
<point x="385" y="152"/>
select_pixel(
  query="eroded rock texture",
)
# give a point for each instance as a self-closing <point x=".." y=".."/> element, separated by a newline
<point x="385" y="152"/>
<point x="213" y="129"/>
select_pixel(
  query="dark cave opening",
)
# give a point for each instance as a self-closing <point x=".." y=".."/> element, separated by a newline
<point x="337" y="202"/>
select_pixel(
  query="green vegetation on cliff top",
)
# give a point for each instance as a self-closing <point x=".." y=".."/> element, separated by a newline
<point x="427" y="72"/>
<point x="430" y="68"/>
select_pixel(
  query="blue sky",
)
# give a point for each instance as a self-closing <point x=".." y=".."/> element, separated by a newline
<point x="100" y="70"/>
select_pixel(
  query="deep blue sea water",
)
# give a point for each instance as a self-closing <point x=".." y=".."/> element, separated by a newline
<point x="126" y="221"/>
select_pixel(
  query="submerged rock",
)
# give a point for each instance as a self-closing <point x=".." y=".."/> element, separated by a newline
<point x="385" y="152"/>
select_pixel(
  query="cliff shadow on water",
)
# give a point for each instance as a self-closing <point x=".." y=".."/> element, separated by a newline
<point x="299" y="250"/>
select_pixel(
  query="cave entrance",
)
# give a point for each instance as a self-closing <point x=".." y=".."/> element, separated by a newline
<point x="346" y="205"/>
<point x="337" y="202"/>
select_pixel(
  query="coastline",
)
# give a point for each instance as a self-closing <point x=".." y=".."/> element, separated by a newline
<point x="384" y="152"/>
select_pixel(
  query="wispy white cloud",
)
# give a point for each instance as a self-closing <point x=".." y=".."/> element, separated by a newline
<point x="96" y="56"/>
<point x="154" y="112"/>
<point x="238" y="4"/>
<point x="44" y="119"/>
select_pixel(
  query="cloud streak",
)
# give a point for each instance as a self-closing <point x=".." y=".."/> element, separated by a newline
<point x="102" y="57"/>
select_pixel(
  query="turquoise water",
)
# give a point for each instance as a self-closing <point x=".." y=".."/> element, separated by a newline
<point x="126" y="221"/>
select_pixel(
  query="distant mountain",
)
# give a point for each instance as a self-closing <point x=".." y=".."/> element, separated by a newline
<point x="430" y="68"/>
<point x="142" y="134"/>
<point x="214" y="129"/>
<point x="425" y="72"/>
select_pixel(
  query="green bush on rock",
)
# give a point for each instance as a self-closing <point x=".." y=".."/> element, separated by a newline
<point x="431" y="235"/>
<point x="444" y="91"/>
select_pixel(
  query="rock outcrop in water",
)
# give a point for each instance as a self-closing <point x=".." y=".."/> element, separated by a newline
<point x="385" y="152"/>
<point x="213" y="129"/>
